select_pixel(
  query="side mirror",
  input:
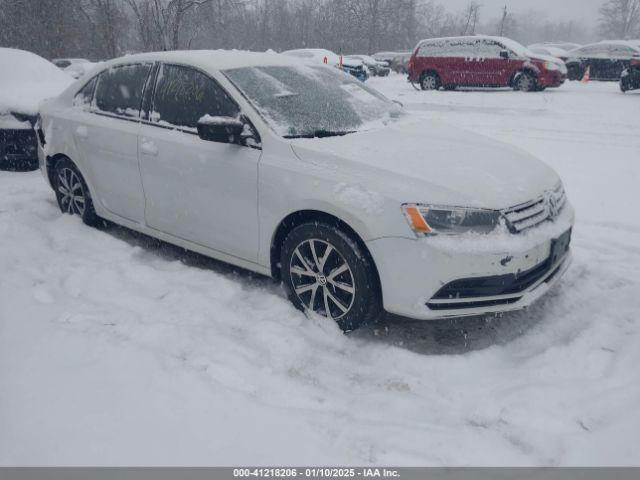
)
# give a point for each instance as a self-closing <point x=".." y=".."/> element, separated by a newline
<point x="220" y="129"/>
<point x="504" y="54"/>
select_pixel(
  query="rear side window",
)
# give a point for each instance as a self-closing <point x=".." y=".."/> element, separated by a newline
<point x="184" y="95"/>
<point x="465" y="48"/>
<point x="85" y="96"/>
<point x="119" y="90"/>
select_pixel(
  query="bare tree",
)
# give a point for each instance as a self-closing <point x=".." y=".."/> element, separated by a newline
<point x="160" y="21"/>
<point x="620" y="19"/>
<point x="470" y="18"/>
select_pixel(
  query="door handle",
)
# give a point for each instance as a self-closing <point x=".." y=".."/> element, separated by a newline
<point x="82" y="132"/>
<point x="147" y="147"/>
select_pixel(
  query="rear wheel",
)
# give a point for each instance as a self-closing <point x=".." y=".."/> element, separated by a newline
<point x="325" y="271"/>
<point x="72" y="192"/>
<point x="429" y="81"/>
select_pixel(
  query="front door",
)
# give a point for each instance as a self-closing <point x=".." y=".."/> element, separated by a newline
<point x="201" y="191"/>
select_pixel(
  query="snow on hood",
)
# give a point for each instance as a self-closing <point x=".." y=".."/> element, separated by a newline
<point x="432" y="162"/>
<point x="26" y="79"/>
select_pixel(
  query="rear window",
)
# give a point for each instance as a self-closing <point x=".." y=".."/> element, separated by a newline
<point x="119" y="89"/>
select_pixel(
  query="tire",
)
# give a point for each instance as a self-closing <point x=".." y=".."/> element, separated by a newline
<point x="525" y="82"/>
<point x="429" y="81"/>
<point x="625" y="85"/>
<point x="351" y="297"/>
<point x="72" y="192"/>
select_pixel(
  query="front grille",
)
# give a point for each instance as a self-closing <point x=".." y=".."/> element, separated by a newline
<point x="533" y="213"/>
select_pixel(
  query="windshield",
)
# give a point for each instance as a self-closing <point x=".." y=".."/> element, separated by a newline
<point x="311" y="101"/>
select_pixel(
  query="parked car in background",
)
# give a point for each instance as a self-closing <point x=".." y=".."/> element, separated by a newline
<point x="290" y="169"/>
<point x="375" y="67"/>
<point x="630" y="78"/>
<point x="566" y="46"/>
<point x="76" y="67"/>
<point x="605" y="60"/>
<point x="352" y="66"/>
<point x="482" y="61"/>
<point x="397" y="61"/>
<point x="25" y="79"/>
<point x="550" y="51"/>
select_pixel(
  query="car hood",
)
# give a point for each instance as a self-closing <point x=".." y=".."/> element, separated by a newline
<point x="547" y="58"/>
<point x="430" y="162"/>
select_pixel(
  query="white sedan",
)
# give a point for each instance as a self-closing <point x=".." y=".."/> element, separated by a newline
<point x="297" y="171"/>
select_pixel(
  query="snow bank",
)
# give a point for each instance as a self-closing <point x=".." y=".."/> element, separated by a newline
<point x="117" y="349"/>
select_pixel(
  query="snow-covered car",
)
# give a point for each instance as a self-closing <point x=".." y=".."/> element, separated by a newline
<point x="566" y="46"/>
<point x="630" y="79"/>
<point x="482" y="61"/>
<point x="76" y="67"/>
<point x="605" y="60"/>
<point x="397" y="61"/>
<point x="25" y="79"/>
<point x="352" y="66"/>
<point x="293" y="170"/>
<point x="376" y="67"/>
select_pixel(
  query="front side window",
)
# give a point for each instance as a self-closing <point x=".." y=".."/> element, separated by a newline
<point x="184" y="95"/>
<point x="490" y="49"/>
<point x="85" y="96"/>
<point x="311" y="101"/>
<point x="119" y="89"/>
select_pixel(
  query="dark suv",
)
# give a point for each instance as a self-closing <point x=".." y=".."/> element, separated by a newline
<point x="605" y="60"/>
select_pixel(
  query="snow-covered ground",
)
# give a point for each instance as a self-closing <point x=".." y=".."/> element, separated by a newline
<point x="116" y="349"/>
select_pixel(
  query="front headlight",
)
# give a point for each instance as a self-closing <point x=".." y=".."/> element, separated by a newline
<point x="435" y="220"/>
<point x="551" y="66"/>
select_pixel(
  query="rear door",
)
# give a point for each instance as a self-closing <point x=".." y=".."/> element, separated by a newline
<point x="201" y="191"/>
<point x="106" y="132"/>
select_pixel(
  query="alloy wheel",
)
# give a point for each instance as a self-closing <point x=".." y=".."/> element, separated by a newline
<point x="72" y="197"/>
<point x="322" y="279"/>
<point x="525" y="83"/>
<point x="429" y="82"/>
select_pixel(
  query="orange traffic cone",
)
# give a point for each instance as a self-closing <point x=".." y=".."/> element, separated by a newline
<point x="587" y="75"/>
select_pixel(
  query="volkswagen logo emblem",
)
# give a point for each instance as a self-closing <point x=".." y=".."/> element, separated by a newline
<point x="552" y="205"/>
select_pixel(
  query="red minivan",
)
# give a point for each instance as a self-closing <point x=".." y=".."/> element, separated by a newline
<point x="482" y="61"/>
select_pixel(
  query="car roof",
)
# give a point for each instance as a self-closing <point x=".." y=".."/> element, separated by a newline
<point x="209" y="59"/>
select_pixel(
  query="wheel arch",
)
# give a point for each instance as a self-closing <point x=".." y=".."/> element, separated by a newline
<point x="526" y="69"/>
<point x="300" y="217"/>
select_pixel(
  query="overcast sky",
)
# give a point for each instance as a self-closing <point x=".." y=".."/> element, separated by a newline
<point x="581" y="10"/>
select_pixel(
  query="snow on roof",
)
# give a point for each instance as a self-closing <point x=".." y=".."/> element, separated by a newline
<point x="507" y="42"/>
<point x="211" y="59"/>
<point x="26" y="79"/>
<point x="635" y="44"/>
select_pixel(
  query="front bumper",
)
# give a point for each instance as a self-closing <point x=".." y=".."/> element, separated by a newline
<point x="552" y="79"/>
<point x="441" y="277"/>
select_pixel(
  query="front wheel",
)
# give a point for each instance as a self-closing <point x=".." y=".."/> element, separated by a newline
<point x="625" y="85"/>
<point x="525" y="82"/>
<point x="72" y="192"/>
<point x="325" y="271"/>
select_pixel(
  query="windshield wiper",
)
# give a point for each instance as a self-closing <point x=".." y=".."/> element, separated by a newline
<point x="321" y="134"/>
